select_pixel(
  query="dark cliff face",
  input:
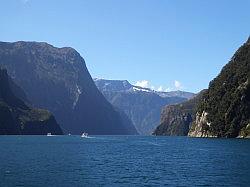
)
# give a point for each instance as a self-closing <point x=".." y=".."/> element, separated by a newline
<point x="225" y="110"/>
<point x="177" y="119"/>
<point x="57" y="79"/>
<point x="174" y="122"/>
<point x="141" y="105"/>
<point x="18" y="118"/>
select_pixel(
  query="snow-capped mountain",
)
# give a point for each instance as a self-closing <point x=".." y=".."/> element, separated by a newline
<point x="142" y="105"/>
<point x="112" y="85"/>
<point x="125" y="86"/>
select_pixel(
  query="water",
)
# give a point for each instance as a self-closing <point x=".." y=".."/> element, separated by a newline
<point x="123" y="161"/>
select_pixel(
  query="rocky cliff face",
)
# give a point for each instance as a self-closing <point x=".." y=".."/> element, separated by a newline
<point x="17" y="118"/>
<point x="141" y="105"/>
<point x="200" y="129"/>
<point x="57" y="79"/>
<point x="177" y="119"/>
<point x="173" y="122"/>
<point x="225" y="109"/>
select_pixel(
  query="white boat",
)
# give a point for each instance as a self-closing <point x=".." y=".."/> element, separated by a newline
<point x="84" y="135"/>
<point x="49" y="134"/>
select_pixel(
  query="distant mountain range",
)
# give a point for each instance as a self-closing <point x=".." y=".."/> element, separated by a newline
<point x="57" y="79"/>
<point x="141" y="105"/>
<point x="124" y="86"/>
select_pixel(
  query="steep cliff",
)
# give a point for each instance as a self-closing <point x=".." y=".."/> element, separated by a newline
<point x="225" y="110"/>
<point x="16" y="118"/>
<point x="57" y="79"/>
<point x="177" y="119"/>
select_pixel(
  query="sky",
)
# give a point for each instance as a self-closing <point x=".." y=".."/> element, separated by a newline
<point x="161" y="44"/>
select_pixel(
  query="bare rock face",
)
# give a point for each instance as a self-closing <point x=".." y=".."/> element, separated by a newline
<point x="57" y="79"/>
<point x="176" y="120"/>
<point x="225" y="108"/>
<point x="245" y="132"/>
<point x="201" y="129"/>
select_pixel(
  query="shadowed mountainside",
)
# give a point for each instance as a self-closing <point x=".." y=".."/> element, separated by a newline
<point x="17" y="118"/>
<point x="57" y="79"/>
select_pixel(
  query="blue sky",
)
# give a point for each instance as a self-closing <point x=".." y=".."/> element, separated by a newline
<point x="167" y="44"/>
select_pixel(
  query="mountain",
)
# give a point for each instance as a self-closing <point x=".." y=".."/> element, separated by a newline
<point x="57" y="79"/>
<point x="112" y="85"/>
<point x="187" y="95"/>
<point x="17" y="118"/>
<point x="141" y="105"/>
<point x="225" y="109"/>
<point x="176" y="120"/>
<point x="124" y="86"/>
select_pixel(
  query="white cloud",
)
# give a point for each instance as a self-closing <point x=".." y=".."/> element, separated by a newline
<point x="146" y="84"/>
<point x="160" y="89"/>
<point x="177" y="85"/>
<point x="168" y="89"/>
<point x="143" y="84"/>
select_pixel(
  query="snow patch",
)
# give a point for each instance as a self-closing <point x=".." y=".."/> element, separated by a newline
<point x="78" y="93"/>
<point x="141" y="89"/>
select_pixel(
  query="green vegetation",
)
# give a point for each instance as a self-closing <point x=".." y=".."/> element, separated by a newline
<point x="227" y="100"/>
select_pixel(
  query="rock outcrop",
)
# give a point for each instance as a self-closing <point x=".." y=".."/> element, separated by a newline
<point x="176" y="120"/>
<point x="17" y="118"/>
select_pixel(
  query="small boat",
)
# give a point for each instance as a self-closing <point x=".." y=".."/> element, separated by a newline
<point x="49" y="134"/>
<point x="84" y="135"/>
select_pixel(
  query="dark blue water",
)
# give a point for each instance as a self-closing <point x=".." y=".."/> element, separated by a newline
<point x="123" y="161"/>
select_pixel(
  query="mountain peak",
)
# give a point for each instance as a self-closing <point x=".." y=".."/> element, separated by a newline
<point x="40" y="46"/>
<point x="124" y="86"/>
<point x="112" y="85"/>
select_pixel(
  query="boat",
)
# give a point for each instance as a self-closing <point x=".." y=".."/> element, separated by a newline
<point x="49" y="134"/>
<point x="84" y="135"/>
